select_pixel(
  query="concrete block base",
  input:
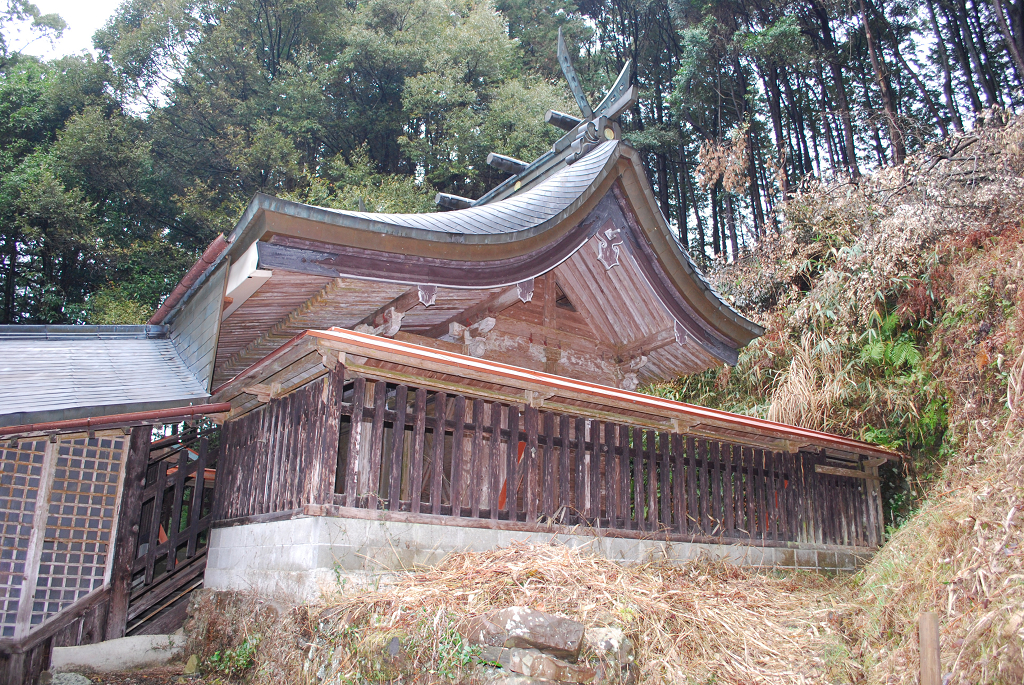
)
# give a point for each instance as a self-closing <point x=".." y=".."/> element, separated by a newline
<point x="122" y="654"/>
<point x="303" y="558"/>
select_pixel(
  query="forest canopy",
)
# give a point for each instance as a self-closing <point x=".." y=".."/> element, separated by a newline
<point x="116" y="171"/>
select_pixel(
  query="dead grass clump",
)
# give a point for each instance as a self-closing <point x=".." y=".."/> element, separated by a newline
<point x="704" y="622"/>
<point x="963" y="556"/>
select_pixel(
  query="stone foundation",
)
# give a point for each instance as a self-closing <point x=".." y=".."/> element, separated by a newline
<point x="302" y="557"/>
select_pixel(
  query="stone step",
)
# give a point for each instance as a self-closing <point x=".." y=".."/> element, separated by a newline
<point x="122" y="654"/>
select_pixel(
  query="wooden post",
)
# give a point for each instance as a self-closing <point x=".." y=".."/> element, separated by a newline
<point x="931" y="665"/>
<point x="127" y="534"/>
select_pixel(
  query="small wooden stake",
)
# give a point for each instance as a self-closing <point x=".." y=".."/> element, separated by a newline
<point x="931" y="667"/>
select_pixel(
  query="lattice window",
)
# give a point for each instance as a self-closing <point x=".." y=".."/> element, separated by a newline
<point x="21" y="469"/>
<point x="79" y="523"/>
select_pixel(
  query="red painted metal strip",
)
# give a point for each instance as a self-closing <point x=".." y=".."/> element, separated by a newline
<point x="98" y="422"/>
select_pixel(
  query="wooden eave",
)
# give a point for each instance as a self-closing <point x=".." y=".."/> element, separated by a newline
<point x="311" y="354"/>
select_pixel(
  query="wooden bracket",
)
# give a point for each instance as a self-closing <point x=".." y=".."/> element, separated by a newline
<point x="536" y="399"/>
<point x="329" y="357"/>
<point x="848" y="473"/>
<point x="683" y="426"/>
<point x="264" y="393"/>
<point x="872" y="463"/>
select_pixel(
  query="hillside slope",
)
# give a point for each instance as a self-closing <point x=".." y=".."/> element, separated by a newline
<point x="895" y="311"/>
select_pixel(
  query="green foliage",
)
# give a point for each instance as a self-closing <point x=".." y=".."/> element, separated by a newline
<point x="234" y="663"/>
<point x="110" y="306"/>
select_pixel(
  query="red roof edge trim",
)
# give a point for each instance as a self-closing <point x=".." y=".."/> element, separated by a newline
<point x="98" y="422"/>
<point x="210" y="255"/>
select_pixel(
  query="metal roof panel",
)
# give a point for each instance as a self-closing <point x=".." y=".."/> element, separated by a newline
<point x="48" y="379"/>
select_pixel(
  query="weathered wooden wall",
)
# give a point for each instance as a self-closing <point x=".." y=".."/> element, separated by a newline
<point x="370" y="444"/>
<point x="282" y="455"/>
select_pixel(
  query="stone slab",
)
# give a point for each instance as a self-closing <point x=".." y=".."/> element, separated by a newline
<point x="122" y="654"/>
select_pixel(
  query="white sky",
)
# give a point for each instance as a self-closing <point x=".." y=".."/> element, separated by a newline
<point x="83" y="17"/>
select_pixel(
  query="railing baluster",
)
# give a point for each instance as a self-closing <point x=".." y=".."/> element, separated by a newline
<point x="549" y="473"/>
<point x="376" y="442"/>
<point x="512" y="470"/>
<point x="593" y="473"/>
<point x="418" y="432"/>
<point x="664" y="470"/>
<point x="195" y="509"/>
<point x="476" y="469"/>
<point x="397" y="447"/>
<point x="437" y="462"/>
<point x="531" y="493"/>
<point x="459" y="434"/>
<point x="495" y="470"/>
<point x="580" y="443"/>
<point x="355" y="430"/>
<point x="564" y="472"/>
<point x="639" y="501"/>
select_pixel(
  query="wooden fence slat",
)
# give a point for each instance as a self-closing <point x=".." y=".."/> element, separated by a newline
<point x="437" y="461"/>
<point x="609" y="480"/>
<point x="154" y="526"/>
<point x="195" y="509"/>
<point x="580" y="443"/>
<point x="594" y="473"/>
<point x="549" y="472"/>
<point x="728" y="489"/>
<point x="692" y="511"/>
<point x="376" y="441"/>
<point x="623" y="480"/>
<point x="706" y="505"/>
<point x="512" y="469"/>
<point x="564" y="473"/>
<point x="717" y="520"/>
<point x="678" y="483"/>
<point x="458" y="437"/>
<point x="476" y="458"/>
<point x="495" y="470"/>
<point x="664" y="479"/>
<point x="639" y="501"/>
<point x="531" y="492"/>
<point x="354" y="441"/>
<point x="418" y="437"/>
<point x="397" y="447"/>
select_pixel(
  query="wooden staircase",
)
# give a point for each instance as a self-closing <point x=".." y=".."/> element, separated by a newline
<point x="159" y="554"/>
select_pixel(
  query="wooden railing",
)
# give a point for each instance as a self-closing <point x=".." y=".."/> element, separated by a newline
<point x="398" y="448"/>
<point x="163" y="538"/>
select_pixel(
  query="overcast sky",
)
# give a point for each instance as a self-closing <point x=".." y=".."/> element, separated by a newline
<point x="84" y="17"/>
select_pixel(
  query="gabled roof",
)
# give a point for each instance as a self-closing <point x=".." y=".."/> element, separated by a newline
<point x="316" y="264"/>
<point x="56" y="373"/>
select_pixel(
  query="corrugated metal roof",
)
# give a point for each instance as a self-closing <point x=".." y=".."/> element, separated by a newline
<point x="46" y="376"/>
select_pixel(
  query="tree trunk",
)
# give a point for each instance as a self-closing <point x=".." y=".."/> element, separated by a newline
<point x="755" y="188"/>
<point x="967" y="33"/>
<point x="716" y="244"/>
<point x="731" y="222"/>
<point x="840" y="86"/>
<point x="1011" y="44"/>
<point x="771" y="85"/>
<point x="947" y="77"/>
<point x="681" y="199"/>
<point x="899" y="150"/>
<point x="962" y="56"/>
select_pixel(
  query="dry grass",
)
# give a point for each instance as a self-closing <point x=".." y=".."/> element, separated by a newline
<point x="700" y="623"/>
<point x="961" y="555"/>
